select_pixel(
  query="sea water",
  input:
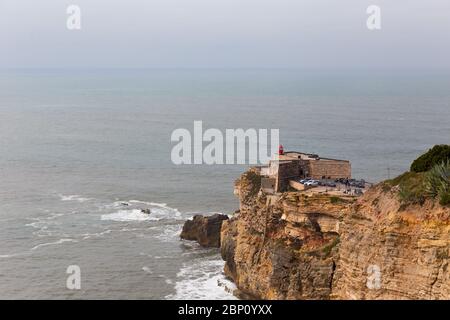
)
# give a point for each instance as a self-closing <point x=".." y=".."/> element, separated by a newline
<point x="83" y="151"/>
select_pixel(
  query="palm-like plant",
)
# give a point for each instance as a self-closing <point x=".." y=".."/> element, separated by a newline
<point x="437" y="180"/>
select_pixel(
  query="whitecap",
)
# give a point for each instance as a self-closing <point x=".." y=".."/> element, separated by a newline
<point x="147" y="269"/>
<point x="163" y="207"/>
<point x="159" y="211"/>
<point x="129" y="215"/>
<point x="169" y="233"/>
<point x="155" y="204"/>
<point x="4" y="256"/>
<point x="203" y="279"/>
<point x="131" y="229"/>
<point x="73" y="197"/>
<point x="60" y="241"/>
<point x="98" y="234"/>
<point x="154" y="257"/>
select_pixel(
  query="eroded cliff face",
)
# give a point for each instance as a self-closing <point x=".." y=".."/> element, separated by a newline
<point x="295" y="246"/>
<point x="410" y="247"/>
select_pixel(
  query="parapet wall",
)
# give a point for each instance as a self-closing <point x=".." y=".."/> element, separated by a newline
<point x="329" y="169"/>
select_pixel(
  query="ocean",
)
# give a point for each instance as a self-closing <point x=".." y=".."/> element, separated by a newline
<point x="83" y="151"/>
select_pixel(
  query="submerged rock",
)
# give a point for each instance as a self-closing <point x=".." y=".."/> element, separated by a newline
<point x="204" y="230"/>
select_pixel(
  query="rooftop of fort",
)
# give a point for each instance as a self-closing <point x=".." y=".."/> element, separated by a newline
<point x="310" y="174"/>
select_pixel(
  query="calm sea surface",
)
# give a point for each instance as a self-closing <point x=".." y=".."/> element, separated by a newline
<point x="75" y="145"/>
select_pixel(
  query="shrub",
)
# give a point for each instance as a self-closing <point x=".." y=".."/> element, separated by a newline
<point x="434" y="156"/>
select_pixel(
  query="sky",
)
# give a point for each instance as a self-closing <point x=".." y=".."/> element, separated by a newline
<point x="316" y="34"/>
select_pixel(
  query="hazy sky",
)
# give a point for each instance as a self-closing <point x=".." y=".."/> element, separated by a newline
<point x="225" y="33"/>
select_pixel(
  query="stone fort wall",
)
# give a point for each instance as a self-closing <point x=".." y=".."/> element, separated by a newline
<point x="329" y="169"/>
<point x="286" y="171"/>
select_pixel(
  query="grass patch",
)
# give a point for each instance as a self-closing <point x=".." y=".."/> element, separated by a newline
<point x="411" y="187"/>
<point x="335" y="200"/>
<point x="385" y="187"/>
<point x="429" y="178"/>
<point x="416" y="187"/>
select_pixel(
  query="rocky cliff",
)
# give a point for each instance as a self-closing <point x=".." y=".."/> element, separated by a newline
<point x="205" y="230"/>
<point x="298" y="246"/>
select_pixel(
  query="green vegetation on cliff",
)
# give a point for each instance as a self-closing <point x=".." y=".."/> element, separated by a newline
<point x="335" y="200"/>
<point x="411" y="187"/>
<point x="436" y="155"/>
<point x="437" y="182"/>
<point x="429" y="178"/>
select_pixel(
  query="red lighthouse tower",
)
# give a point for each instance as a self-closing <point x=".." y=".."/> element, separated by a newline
<point x="280" y="150"/>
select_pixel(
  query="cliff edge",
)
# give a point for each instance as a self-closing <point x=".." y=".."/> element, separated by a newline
<point x="295" y="245"/>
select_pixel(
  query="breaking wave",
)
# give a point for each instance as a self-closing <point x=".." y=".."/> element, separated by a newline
<point x="201" y="280"/>
<point x="128" y="215"/>
<point x="133" y="211"/>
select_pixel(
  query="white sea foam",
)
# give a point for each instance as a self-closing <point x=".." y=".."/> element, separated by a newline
<point x="203" y="279"/>
<point x="154" y="204"/>
<point x="129" y="215"/>
<point x="164" y="208"/>
<point x="147" y="269"/>
<point x="169" y="233"/>
<point x="74" y="197"/>
<point x="153" y="257"/>
<point x="41" y="222"/>
<point x="42" y="225"/>
<point x="37" y="225"/>
<point x="97" y="234"/>
<point x="119" y="204"/>
<point x="60" y="241"/>
<point x="4" y="256"/>
<point x="159" y="211"/>
<point x="131" y="229"/>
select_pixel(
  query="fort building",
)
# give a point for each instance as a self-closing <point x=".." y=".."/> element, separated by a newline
<point x="290" y="166"/>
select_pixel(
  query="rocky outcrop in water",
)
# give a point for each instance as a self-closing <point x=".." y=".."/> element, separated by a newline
<point x="204" y="230"/>
<point x="294" y="246"/>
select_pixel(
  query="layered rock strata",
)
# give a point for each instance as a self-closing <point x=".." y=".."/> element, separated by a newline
<point x="298" y="246"/>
